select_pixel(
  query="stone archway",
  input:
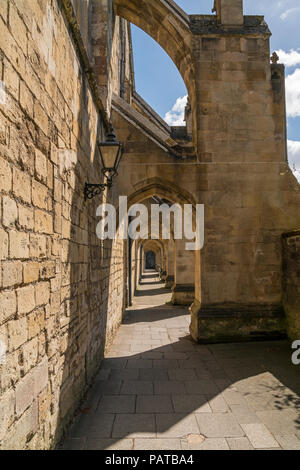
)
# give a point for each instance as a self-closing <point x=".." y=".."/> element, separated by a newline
<point x="184" y="293"/>
<point x="169" y="26"/>
<point x="150" y="261"/>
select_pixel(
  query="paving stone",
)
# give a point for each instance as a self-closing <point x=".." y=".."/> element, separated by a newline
<point x="139" y="364"/>
<point x="258" y="402"/>
<point x="280" y="421"/>
<point x="201" y="387"/>
<point x="239" y="443"/>
<point x="181" y="356"/>
<point x="134" y="426"/>
<point x="93" y="425"/>
<point x="176" y="425"/>
<point x="108" y="387"/>
<point x="137" y="387"/>
<point x="191" y="404"/>
<point x="209" y="444"/>
<point x="75" y="443"/>
<point x="103" y="374"/>
<point x="218" y="404"/>
<point x="154" y="404"/>
<point x="219" y="425"/>
<point x="244" y="414"/>
<point x="288" y="441"/>
<point x="259" y="436"/>
<point x="109" y="444"/>
<point x="165" y="364"/>
<point x="124" y="374"/>
<point x="169" y="387"/>
<point x="114" y="363"/>
<point x="182" y="374"/>
<point x="233" y="397"/>
<point x="157" y="444"/>
<point x="153" y="375"/>
<point x="117" y="404"/>
<point x="152" y="355"/>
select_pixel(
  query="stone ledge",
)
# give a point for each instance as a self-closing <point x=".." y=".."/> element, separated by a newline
<point x="241" y="311"/>
<point x="208" y="24"/>
<point x="236" y="323"/>
<point x="184" y="288"/>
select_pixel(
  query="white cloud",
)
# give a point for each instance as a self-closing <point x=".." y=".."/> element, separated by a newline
<point x="290" y="59"/>
<point x="294" y="157"/>
<point x="175" y="117"/>
<point x="293" y="94"/>
<point x="288" y="12"/>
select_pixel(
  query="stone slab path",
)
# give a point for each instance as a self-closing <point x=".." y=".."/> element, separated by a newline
<point x="158" y="390"/>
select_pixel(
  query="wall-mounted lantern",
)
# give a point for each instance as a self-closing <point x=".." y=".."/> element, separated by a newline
<point x="111" y="154"/>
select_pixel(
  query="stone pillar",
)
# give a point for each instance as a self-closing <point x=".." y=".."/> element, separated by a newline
<point x="196" y="305"/>
<point x="170" y="264"/>
<point x="163" y="264"/>
<point x="184" y="285"/>
<point x="229" y="12"/>
<point x="139" y="263"/>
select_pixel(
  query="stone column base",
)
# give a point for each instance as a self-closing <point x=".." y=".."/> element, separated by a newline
<point x="194" y="310"/>
<point x="183" y="294"/>
<point x="169" y="282"/>
<point x="236" y="322"/>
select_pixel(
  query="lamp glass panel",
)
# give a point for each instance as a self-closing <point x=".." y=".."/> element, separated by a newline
<point x="109" y="154"/>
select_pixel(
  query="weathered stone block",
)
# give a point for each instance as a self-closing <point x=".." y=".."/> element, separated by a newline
<point x="41" y="377"/>
<point x="23" y="430"/>
<point x="26" y="301"/>
<point x="11" y="80"/>
<point x="30" y="354"/>
<point x="47" y="270"/>
<point x="26" y="217"/>
<point x="17" y="333"/>
<point x="36" y="323"/>
<point x="231" y="12"/>
<point x="39" y="195"/>
<point x="43" y="222"/>
<point x="42" y="293"/>
<point x="8" y="305"/>
<point x="22" y="185"/>
<point x="10" y="211"/>
<point x="38" y="246"/>
<point x="24" y="393"/>
<point x="44" y="405"/>
<point x="57" y="218"/>
<point x="19" y="245"/>
<point x="7" y="411"/>
<point x="3" y="244"/>
<point x="26" y="99"/>
<point x="12" y="273"/>
<point x="18" y="29"/>
<point x="5" y="175"/>
<point x="31" y="272"/>
<point x="41" y="166"/>
<point x="41" y="117"/>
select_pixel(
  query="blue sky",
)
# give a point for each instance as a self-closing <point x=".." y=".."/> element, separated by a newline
<point x="159" y="83"/>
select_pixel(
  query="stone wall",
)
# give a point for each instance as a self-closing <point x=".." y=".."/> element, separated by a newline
<point x="62" y="290"/>
<point x="291" y="282"/>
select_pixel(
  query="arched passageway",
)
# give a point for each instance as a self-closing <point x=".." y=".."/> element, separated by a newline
<point x="184" y="265"/>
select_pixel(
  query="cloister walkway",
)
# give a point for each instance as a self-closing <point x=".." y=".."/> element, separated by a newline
<point x="158" y="390"/>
